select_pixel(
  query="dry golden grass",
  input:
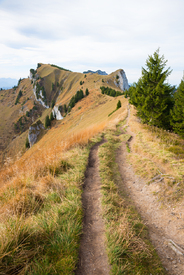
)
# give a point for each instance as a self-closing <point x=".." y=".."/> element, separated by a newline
<point x="36" y="160"/>
<point x="43" y="159"/>
<point x="156" y="152"/>
<point x="41" y="218"/>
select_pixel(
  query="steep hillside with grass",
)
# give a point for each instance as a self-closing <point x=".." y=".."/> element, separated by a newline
<point x="18" y="110"/>
<point x="34" y="98"/>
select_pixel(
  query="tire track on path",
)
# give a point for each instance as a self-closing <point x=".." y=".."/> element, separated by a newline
<point x="93" y="259"/>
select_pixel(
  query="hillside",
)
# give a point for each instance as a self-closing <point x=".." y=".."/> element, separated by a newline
<point x="98" y="193"/>
<point x="59" y="85"/>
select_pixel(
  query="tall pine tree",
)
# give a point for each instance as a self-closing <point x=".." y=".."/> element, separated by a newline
<point x="177" y="114"/>
<point x="152" y="96"/>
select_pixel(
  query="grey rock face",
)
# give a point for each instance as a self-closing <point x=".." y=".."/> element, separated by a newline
<point x="56" y="113"/>
<point x="34" y="131"/>
<point x="122" y="81"/>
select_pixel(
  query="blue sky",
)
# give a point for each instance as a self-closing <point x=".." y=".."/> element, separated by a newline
<point x="81" y="35"/>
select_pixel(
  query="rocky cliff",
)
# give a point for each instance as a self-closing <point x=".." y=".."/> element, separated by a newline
<point x="56" y="113"/>
<point x="34" y="132"/>
<point x="121" y="80"/>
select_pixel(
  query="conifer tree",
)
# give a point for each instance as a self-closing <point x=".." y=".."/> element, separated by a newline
<point x="65" y="108"/>
<point x="51" y="116"/>
<point x="87" y="92"/>
<point x="119" y="104"/>
<point x="27" y="143"/>
<point x="47" y="121"/>
<point x="52" y="104"/>
<point x="177" y="114"/>
<point x="151" y="95"/>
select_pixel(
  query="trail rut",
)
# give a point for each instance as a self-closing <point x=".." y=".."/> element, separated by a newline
<point x="93" y="259"/>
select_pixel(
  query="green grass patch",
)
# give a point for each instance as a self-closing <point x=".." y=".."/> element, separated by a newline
<point x="112" y="112"/>
<point x="47" y="241"/>
<point x="128" y="245"/>
<point x="128" y="148"/>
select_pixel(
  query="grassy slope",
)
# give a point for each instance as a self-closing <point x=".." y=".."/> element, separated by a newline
<point x="158" y="153"/>
<point x="10" y="114"/>
<point x="69" y="83"/>
<point x="40" y="234"/>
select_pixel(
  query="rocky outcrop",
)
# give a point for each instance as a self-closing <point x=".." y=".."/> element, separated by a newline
<point x="121" y="80"/>
<point x="56" y="113"/>
<point x="34" y="132"/>
<point x="40" y="99"/>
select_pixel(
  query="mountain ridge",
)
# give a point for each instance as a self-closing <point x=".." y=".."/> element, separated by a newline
<point x="95" y="72"/>
<point x="34" y="97"/>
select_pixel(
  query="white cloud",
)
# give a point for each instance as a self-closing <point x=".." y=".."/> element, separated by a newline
<point x="82" y="35"/>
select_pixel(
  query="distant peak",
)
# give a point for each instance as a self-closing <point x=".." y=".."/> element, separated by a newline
<point x="97" y="72"/>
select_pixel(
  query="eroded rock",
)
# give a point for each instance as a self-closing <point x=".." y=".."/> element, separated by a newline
<point x="56" y="113"/>
<point x="122" y="81"/>
<point x="34" y="132"/>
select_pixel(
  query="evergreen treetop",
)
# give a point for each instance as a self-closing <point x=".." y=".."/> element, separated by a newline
<point x="177" y="114"/>
<point x="47" y="121"/>
<point x="119" y="104"/>
<point x="152" y="96"/>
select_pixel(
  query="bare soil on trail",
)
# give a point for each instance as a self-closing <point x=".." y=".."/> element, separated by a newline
<point x="93" y="259"/>
<point x="165" y="224"/>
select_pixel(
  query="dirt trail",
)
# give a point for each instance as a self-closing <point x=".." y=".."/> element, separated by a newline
<point x="166" y="225"/>
<point x="93" y="257"/>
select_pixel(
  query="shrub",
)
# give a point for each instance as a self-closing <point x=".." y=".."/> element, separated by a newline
<point x="110" y="92"/>
<point x="65" y="108"/>
<point x="18" y="97"/>
<point x="51" y="116"/>
<point x="52" y="103"/>
<point x="27" y="143"/>
<point x="60" y="108"/>
<point x="119" y="104"/>
<point x="33" y="72"/>
<point x="177" y="113"/>
<point x="47" y="121"/>
<point x="78" y="96"/>
<point x="87" y="92"/>
<point x="60" y="68"/>
<point x="19" y="81"/>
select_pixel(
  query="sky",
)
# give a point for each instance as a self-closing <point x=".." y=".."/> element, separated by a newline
<point x="99" y="34"/>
